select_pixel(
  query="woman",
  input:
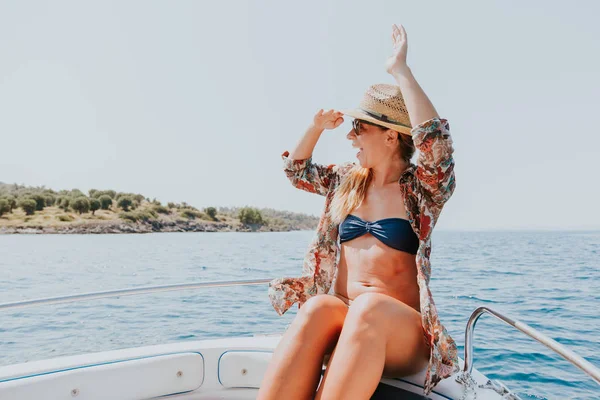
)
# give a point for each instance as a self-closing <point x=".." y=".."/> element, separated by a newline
<point x="380" y="318"/>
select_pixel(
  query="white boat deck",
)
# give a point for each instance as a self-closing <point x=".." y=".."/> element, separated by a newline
<point x="230" y="368"/>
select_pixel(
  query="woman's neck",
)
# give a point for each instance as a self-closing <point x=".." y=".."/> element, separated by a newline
<point x="388" y="173"/>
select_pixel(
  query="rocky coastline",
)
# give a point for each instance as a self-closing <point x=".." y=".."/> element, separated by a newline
<point x="120" y="227"/>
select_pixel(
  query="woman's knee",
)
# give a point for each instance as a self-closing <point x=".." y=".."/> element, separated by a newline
<point x="322" y="311"/>
<point x="369" y="308"/>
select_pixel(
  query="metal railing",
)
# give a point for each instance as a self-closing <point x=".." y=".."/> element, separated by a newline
<point x="569" y="355"/>
<point x="553" y="345"/>
<point x="128" y="292"/>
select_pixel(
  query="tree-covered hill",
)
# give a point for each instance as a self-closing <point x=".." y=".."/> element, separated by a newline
<point x="27" y="209"/>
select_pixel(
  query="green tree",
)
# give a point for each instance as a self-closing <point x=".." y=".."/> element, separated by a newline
<point x="125" y="202"/>
<point x="81" y="204"/>
<point x="50" y="200"/>
<point x="105" y="201"/>
<point x="92" y="193"/>
<point x="136" y="199"/>
<point x="28" y="205"/>
<point x="64" y="202"/>
<point x="4" y="207"/>
<point x="12" y="202"/>
<point x="211" y="212"/>
<point x="98" y="193"/>
<point x="40" y="201"/>
<point x="76" y="193"/>
<point x="249" y="215"/>
<point x="94" y="205"/>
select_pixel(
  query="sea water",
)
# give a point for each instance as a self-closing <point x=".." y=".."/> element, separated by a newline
<point x="549" y="280"/>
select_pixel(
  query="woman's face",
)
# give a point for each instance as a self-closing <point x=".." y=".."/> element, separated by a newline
<point x="373" y="142"/>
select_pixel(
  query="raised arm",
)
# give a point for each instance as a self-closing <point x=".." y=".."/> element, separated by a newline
<point x="430" y="133"/>
<point x="298" y="165"/>
<point x="417" y="103"/>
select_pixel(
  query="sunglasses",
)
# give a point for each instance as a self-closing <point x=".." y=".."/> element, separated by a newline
<point x="356" y="125"/>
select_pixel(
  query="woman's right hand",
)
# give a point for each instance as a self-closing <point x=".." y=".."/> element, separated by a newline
<point x="328" y="120"/>
<point x="322" y="120"/>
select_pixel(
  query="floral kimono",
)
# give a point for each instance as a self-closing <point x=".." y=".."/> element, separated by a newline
<point x="425" y="187"/>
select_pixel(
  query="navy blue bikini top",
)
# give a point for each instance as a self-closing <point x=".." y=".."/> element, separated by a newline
<point x="393" y="232"/>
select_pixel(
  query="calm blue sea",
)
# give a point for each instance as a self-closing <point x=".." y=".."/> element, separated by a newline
<point x="549" y="280"/>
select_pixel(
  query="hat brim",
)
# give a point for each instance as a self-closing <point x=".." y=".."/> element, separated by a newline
<point x="359" y="114"/>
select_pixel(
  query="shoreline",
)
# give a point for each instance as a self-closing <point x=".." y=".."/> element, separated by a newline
<point x="122" y="227"/>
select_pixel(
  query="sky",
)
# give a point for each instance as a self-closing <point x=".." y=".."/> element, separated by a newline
<point x="195" y="101"/>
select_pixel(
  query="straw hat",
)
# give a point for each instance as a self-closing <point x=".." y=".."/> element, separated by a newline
<point x="383" y="105"/>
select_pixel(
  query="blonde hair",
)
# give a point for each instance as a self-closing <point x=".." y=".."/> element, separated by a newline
<point x="350" y="194"/>
<point x="353" y="188"/>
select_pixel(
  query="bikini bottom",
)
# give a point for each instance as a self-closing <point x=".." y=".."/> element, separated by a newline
<point x="346" y="300"/>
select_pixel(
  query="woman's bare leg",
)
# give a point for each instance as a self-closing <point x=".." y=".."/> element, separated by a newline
<point x="381" y="335"/>
<point x="295" y="368"/>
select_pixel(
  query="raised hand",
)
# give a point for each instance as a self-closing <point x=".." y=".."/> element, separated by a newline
<point x="328" y="120"/>
<point x="397" y="61"/>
